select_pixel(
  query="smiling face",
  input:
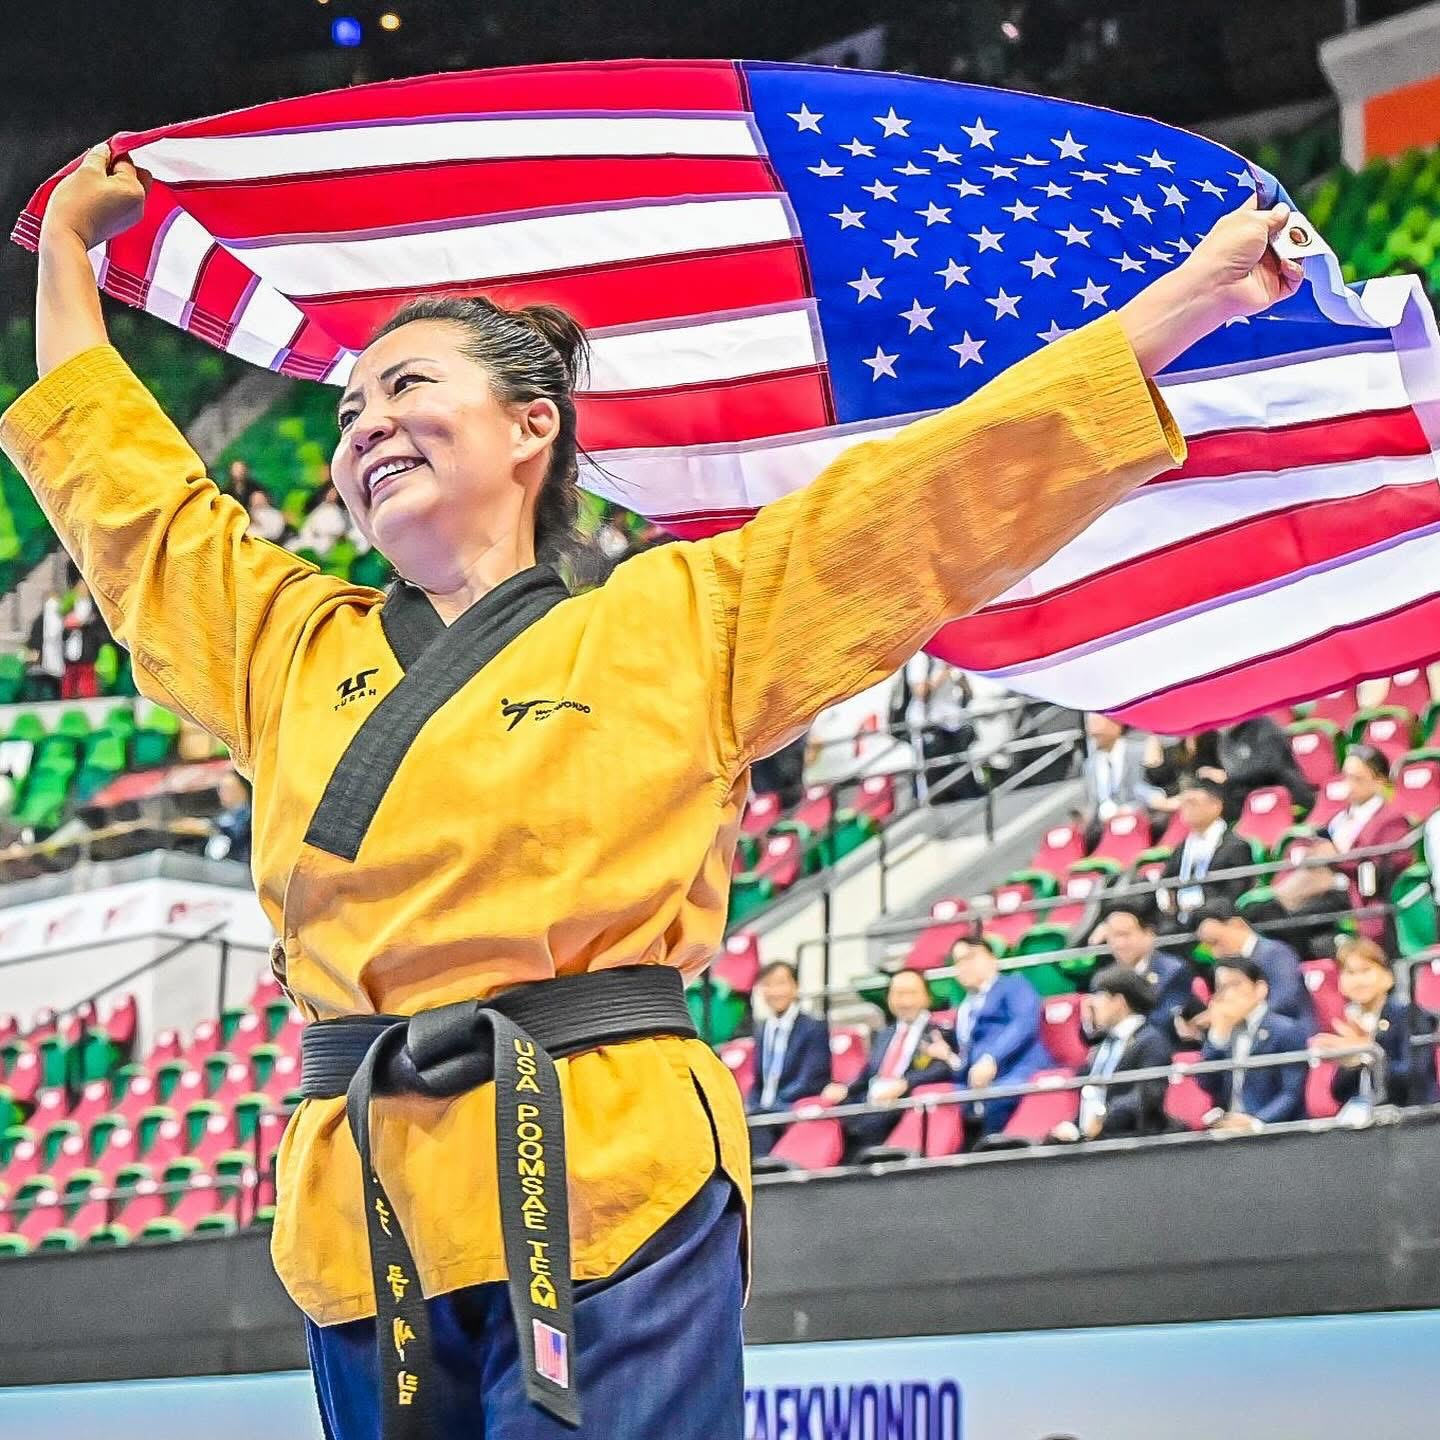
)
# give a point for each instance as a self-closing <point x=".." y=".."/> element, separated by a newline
<point x="1364" y="784"/>
<point x="433" y="468"/>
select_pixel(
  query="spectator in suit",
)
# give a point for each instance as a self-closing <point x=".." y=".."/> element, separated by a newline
<point x="45" y="650"/>
<point x="937" y="714"/>
<point x="912" y="1051"/>
<point x="1241" y="1026"/>
<point x="1251" y="755"/>
<point x="1118" y="1013"/>
<point x="997" y="1032"/>
<point x="1209" y="847"/>
<point x="85" y="633"/>
<point x="792" y="1053"/>
<point x="1373" y="1014"/>
<point x="1114" y="773"/>
<point x="1308" y="900"/>
<point x="1128" y="932"/>
<point x="1370" y="819"/>
<point x="230" y="837"/>
<point x="1229" y="936"/>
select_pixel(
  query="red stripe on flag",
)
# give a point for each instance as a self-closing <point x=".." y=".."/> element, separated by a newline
<point x="678" y="85"/>
<point x="1194" y="571"/>
<point x="131" y="254"/>
<point x="224" y="282"/>
<point x="1383" y="646"/>
<point x="352" y="202"/>
<point x="629" y="293"/>
<point x="705" y="414"/>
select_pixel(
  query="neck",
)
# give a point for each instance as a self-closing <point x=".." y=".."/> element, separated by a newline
<point x="506" y="556"/>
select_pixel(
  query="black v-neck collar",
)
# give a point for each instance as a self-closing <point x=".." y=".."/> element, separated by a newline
<point x="438" y="660"/>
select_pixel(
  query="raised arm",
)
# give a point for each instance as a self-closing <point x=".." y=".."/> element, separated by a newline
<point x="209" y="614"/>
<point x="828" y="590"/>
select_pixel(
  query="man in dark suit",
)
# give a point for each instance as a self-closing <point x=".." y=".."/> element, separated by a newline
<point x="912" y="1051"/>
<point x="1128" y="931"/>
<point x="1209" y="848"/>
<point x="1118" y="1011"/>
<point x="792" y="1053"/>
<point x="1242" y="1026"/>
<point x="1229" y="936"/>
<point x="1113" y="773"/>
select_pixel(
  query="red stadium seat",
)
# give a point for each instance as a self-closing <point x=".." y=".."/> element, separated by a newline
<point x="45" y="1214"/>
<point x="94" y="1102"/>
<point x="1060" y="1019"/>
<point x="288" y="1037"/>
<point x="167" y="1046"/>
<point x="268" y="1134"/>
<point x="940" y="1131"/>
<point x="9" y="1028"/>
<point x="1314" y="751"/>
<point x="1175" y="833"/>
<point x="816" y="810"/>
<point x="1125" y="836"/>
<point x="43" y="1024"/>
<point x="1039" y="1112"/>
<point x="250" y="1031"/>
<point x="739" y="1058"/>
<point x="1322" y="980"/>
<point x="24" y="1078"/>
<point x="284" y="1078"/>
<point x="144" y="1204"/>
<point x="849" y="1045"/>
<point x="1059" y="848"/>
<point x="121" y="1022"/>
<point x="73" y="1155"/>
<point x="760" y="814"/>
<point x="1417" y="786"/>
<point x="1296" y="848"/>
<point x="217" y="1134"/>
<point x="1334" y="796"/>
<point x="950" y="921"/>
<point x="813" y="1143"/>
<point x="235" y="1083"/>
<point x="121" y="1148"/>
<point x="1186" y="1101"/>
<point x="200" y="1198"/>
<point x="190" y="1087"/>
<point x="1338" y="707"/>
<point x="1410" y="689"/>
<point x="1425" y="980"/>
<point x="1389" y="734"/>
<point x="167" y="1144"/>
<point x="1267" y="814"/>
<point x="781" y="861"/>
<point x="1320" y="1104"/>
<point x="1008" y="922"/>
<point x="205" y="1041"/>
<point x="1079" y="889"/>
<point x="876" y="798"/>
<point x="138" y="1096"/>
<point x="51" y="1104"/>
<point x="24" y="1162"/>
<point x="738" y="963"/>
<point x="268" y="990"/>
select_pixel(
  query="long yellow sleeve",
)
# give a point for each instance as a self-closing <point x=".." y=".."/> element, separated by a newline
<point x="828" y="590"/>
<point x="209" y="613"/>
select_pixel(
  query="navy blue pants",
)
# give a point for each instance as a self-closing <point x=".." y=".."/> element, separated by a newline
<point x="659" y="1347"/>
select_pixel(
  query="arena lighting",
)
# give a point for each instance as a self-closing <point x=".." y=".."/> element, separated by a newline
<point x="1010" y="30"/>
<point x="345" y="31"/>
<point x="389" y="21"/>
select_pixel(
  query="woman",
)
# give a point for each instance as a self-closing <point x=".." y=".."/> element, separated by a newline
<point x="1369" y="820"/>
<point x="474" y="782"/>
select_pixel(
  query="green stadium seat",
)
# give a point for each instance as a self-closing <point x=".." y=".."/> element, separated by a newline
<point x="1414" y="902"/>
<point x="717" y="1010"/>
<point x="12" y="678"/>
<point x="155" y="738"/>
<point x="160" y="1231"/>
<point x="104" y="760"/>
<point x="108" y="1237"/>
<point x="13" y="1245"/>
<point x="61" y="1239"/>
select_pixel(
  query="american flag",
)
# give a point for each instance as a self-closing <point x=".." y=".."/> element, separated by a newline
<point x="776" y="261"/>
<point x="552" y="1353"/>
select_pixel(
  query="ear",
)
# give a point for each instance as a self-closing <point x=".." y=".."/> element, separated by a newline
<point x="536" y="426"/>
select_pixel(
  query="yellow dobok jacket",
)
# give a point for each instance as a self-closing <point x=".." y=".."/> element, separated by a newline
<point x="573" y="804"/>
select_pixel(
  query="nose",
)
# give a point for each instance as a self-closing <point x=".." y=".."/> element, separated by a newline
<point x="369" y="428"/>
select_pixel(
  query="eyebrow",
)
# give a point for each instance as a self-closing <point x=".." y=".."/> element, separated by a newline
<point x="386" y="374"/>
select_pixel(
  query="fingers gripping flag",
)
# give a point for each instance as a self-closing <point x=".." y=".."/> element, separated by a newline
<point x="777" y="261"/>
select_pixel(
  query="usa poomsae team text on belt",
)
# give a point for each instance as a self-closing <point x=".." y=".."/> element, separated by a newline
<point x="514" y="1040"/>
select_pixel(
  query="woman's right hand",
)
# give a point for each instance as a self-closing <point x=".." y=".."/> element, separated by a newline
<point x="97" y="201"/>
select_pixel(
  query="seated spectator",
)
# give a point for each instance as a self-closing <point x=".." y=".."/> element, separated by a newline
<point x="326" y="523"/>
<point x="1370" y="819"/>
<point x="45" y="650"/>
<point x="231" y="837"/>
<point x="911" y="1051"/>
<point x="1373" y="1014"/>
<point x="1251" y="755"/>
<point x="265" y="520"/>
<point x="1128" y="932"/>
<point x="1241" y="1025"/>
<point x="1114" y="773"/>
<point x="85" y="633"/>
<point x="1209" y="847"/>
<point x="1118" y="1013"/>
<point x="1229" y="936"/>
<point x="239" y="482"/>
<point x="1307" y="903"/>
<point x="792" y="1053"/>
<point x="937" y="714"/>
<point x="1173" y="764"/>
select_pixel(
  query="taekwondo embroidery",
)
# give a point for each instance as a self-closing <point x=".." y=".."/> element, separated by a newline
<point x="356" y="687"/>
<point x="516" y="711"/>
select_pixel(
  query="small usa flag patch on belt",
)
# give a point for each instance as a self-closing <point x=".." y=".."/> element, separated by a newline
<point x="552" y="1354"/>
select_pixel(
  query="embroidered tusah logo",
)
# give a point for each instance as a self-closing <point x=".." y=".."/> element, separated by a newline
<point x="541" y="709"/>
<point x="356" y="687"/>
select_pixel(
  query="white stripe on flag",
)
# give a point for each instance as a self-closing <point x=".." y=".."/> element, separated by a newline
<point x="183" y="250"/>
<point x="461" y="253"/>
<point x="1126" y="667"/>
<point x="366" y="147"/>
<point x="724" y="348"/>
<point x="265" y="327"/>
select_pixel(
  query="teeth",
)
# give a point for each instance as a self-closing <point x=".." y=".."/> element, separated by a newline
<point x="391" y="467"/>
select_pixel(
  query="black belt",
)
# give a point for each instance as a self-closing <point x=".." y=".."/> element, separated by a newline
<point x="513" y="1039"/>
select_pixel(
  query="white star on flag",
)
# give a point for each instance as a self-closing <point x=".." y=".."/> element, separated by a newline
<point x="1156" y="161"/>
<point x="935" y="214"/>
<point x="1092" y="294"/>
<point x="1028" y="159"/>
<point x="1053" y="334"/>
<point x="807" y="119"/>
<point x="901" y="245"/>
<point x="1001" y="172"/>
<point x="954" y="274"/>
<point x="1039" y="264"/>
<point x="825" y="169"/>
<point x="1155" y="254"/>
<point x="987" y="239"/>
<point x="944" y="156"/>
<point x="1210" y="188"/>
<point x="919" y="316"/>
<point x="850" y="219"/>
<point x="1098" y="177"/>
<point x="1073" y="235"/>
<point x="1020" y="210"/>
<point x="979" y="135"/>
<point x="880" y="190"/>
<point x="1069" y="147"/>
<point x="1108" y="216"/>
<point x="911" y="168"/>
<point x="858" y="148"/>
<point x="1139" y="207"/>
<point x="1175" y="196"/>
<point x="880" y="363"/>
<point x="867" y="287"/>
<point x="1054" y="191"/>
<point x="968" y="350"/>
<point x="1245" y="180"/>
<point x="964" y="187"/>
<point x="1182" y="245"/>
<point x="1004" y="304"/>
<point x="1121" y="168"/>
<point x="892" y="124"/>
<point x="1128" y="262"/>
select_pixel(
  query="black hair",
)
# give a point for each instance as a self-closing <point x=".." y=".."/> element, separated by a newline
<point x="1135" y="990"/>
<point x="1141" y="909"/>
<point x="776" y="965"/>
<point x="1221" y="910"/>
<point x="539" y="351"/>
<point x="1211" y="787"/>
<point x="1374" y="760"/>
<point x="1242" y="965"/>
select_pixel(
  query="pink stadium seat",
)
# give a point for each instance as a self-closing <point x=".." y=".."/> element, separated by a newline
<point x="24" y="1079"/>
<point x="120" y="1023"/>
<point x="1059" y="848"/>
<point x="849" y="1045"/>
<point x="876" y="797"/>
<point x="950" y="921"/>
<point x="249" y="1032"/>
<point x="139" y="1096"/>
<point x="205" y="1041"/>
<point x="289" y="1037"/>
<point x="1314" y="753"/>
<point x="71" y="1028"/>
<point x="1338" y="707"/>
<point x="283" y="1078"/>
<point x="199" y="1199"/>
<point x="168" y="1144"/>
<point x="940" y="1132"/>
<point x="90" y="1214"/>
<point x="167" y="1046"/>
<point x="1125" y="835"/>
<point x="1267" y="814"/>
<point x="1322" y="980"/>
<point x="1039" y="1112"/>
<point x="94" y="1102"/>
<point x="9" y="1028"/>
<point x="24" y="1162"/>
<point x="1175" y="833"/>
<point x="1060" y="1030"/>
<point x="121" y="1148"/>
<point x="268" y="991"/>
<point x="1389" y="735"/>
<point x="145" y="1205"/>
<point x="1186" y="1102"/>
<point x="46" y="1215"/>
<point x="760" y="814"/>
<point x="1150" y="872"/>
<point x="1426" y="982"/>
<point x="1078" y="889"/>
<point x="1297" y="849"/>
<point x="816" y="810"/>
<point x="1319" y="1102"/>
<point x="74" y="1155"/>
<point x="1417" y="788"/>
<point x="811" y="1143"/>
<point x="739" y="1058"/>
<point x="218" y="1137"/>
<point x="188" y="1089"/>
<point x="236" y="1083"/>
<point x="50" y="1105"/>
<point x="781" y="860"/>
<point x="1008" y="922"/>
<point x="268" y="1136"/>
<point x="43" y="1025"/>
<point x="1334" y="796"/>
<point x="1410" y="688"/>
<point x="738" y="963"/>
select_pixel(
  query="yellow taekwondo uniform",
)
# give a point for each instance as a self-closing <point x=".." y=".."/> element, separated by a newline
<point x="572" y="805"/>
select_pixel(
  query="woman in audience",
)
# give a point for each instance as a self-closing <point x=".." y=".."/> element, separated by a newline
<point x="1172" y="763"/>
<point x="1370" y="820"/>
